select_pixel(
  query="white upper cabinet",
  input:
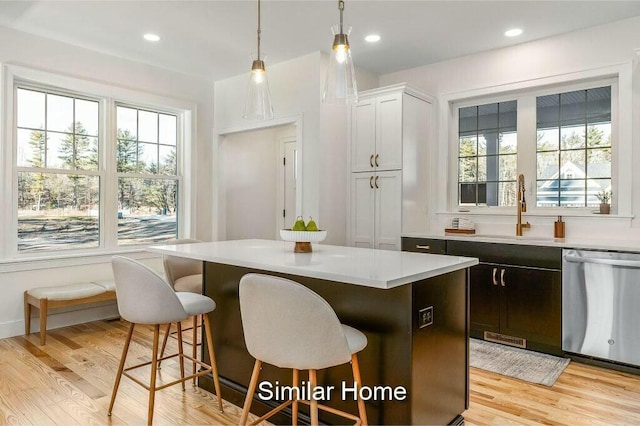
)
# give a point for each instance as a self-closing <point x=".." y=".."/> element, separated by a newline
<point x="377" y="133"/>
<point x="390" y="144"/>
<point x="363" y="136"/>
<point x="388" y="154"/>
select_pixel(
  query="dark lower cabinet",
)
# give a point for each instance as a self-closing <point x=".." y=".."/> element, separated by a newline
<point x="515" y="292"/>
<point x="484" y="303"/>
<point x="424" y="245"/>
<point x="531" y="306"/>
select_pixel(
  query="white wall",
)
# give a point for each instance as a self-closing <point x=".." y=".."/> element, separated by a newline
<point x="580" y="51"/>
<point x="35" y="52"/>
<point x="251" y="166"/>
<point x="296" y="90"/>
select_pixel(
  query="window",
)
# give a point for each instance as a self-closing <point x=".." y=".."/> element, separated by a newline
<point x="561" y="138"/>
<point x="487" y="154"/>
<point x="147" y="175"/>
<point x="87" y="171"/>
<point x="57" y="164"/>
<point x="573" y="148"/>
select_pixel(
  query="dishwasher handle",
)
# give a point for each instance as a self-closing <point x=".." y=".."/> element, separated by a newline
<point x="612" y="262"/>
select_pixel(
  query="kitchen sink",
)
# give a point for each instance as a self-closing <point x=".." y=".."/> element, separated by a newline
<point x="515" y="238"/>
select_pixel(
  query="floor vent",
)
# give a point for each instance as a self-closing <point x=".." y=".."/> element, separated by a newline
<point x="507" y="340"/>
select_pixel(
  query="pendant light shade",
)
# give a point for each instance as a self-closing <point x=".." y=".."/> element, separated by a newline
<point x="340" y="86"/>
<point x="258" y="105"/>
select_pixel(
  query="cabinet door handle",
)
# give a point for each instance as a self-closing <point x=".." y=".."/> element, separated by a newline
<point x="495" y="281"/>
<point x="376" y="161"/>
<point x="371" y="160"/>
<point x="376" y="182"/>
<point x="371" y="182"/>
<point x="418" y="246"/>
<point x="502" y="283"/>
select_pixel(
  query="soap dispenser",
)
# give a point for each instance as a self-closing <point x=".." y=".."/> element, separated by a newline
<point x="558" y="228"/>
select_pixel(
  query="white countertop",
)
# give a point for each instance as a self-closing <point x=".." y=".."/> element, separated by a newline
<point x="575" y="243"/>
<point x="367" y="267"/>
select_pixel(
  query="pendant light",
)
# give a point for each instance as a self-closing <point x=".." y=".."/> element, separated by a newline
<point x="258" y="106"/>
<point x="340" y="86"/>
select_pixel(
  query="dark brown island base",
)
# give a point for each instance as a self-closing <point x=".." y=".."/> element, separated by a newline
<point x="415" y="366"/>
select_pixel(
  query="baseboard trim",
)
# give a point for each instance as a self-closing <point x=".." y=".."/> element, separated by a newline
<point x="61" y="319"/>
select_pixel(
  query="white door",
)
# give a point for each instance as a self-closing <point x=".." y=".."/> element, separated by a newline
<point x="388" y="210"/>
<point x="363" y="135"/>
<point x="362" y="209"/>
<point x="289" y="175"/>
<point x="389" y="132"/>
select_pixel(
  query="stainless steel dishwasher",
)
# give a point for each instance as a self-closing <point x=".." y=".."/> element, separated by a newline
<point x="601" y="305"/>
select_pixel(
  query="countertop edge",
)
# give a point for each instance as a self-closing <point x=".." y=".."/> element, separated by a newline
<point x="372" y="283"/>
<point x="569" y="243"/>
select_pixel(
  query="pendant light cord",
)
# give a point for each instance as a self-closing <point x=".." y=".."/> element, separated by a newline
<point x="341" y="9"/>
<point x="259" y="30"/>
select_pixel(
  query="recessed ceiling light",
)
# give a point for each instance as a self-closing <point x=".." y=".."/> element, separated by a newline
<point x="151" y="37"/>
<point x="514" y="32"/>
<point x="372" y="38"/>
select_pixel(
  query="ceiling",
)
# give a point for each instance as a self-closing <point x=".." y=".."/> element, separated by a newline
<point x="213" y="39"/>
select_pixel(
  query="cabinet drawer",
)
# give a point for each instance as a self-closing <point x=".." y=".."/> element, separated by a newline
<point x="510" y="254"/>
<point x="424" y="245"/>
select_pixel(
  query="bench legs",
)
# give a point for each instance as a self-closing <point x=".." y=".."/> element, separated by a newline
<point x="27" y="315"/>
<point x="44" y="304"/>
<point x="43" y="307"/>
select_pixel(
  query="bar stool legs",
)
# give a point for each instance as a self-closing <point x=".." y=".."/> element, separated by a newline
<point x="212" y="360"/>
<point x="154" y="371"/>
<point x="252" y="389"/>
<point x="125" y="350"/>
<point x="155" y="361"/>
<point x="194" y="344"/>
<point x="294" y="408"/>
<point x="356" y="377"/>
<point x="313" y="403"/>
<point x="313" y="380"/>
<point x="180" y="350"/>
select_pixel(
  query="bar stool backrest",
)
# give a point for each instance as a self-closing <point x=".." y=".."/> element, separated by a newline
<point x="143" y="296"/>
<point x="288" y="325"/>
<point x="177" y="267"/>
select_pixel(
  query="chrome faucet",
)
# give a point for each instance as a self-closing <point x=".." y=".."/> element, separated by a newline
<point x="522" y="206"/>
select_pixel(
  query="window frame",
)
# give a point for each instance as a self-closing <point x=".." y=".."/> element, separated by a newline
<point x="497" y="155"/>
<point x="13" y="76"/>
<point x="145" y="175"/>
<point x="619" y="77"/>
<point x="100" y="172"/>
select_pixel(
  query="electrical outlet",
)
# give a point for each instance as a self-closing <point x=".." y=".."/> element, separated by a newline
<point x="425" y="317"/>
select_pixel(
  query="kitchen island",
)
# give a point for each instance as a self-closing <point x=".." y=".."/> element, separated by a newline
<point x="412" y="307"/>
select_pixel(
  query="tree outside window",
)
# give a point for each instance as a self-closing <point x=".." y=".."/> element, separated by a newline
<point x="487" y="154"/>
<point x="58" y="180"/>
<point x="573" y="147"/>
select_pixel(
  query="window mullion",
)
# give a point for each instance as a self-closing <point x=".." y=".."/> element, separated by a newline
<point x="527" y="143"/>
<point x="109" y="216"/>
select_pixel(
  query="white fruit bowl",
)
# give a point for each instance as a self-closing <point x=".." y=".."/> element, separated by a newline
<point x="303" y="239"/>
<point x="303" y="236"/>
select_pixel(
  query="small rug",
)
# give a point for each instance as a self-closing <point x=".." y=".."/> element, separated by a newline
<point x="519" y="363"/>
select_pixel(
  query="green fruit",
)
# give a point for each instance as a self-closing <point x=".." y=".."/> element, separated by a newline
<point x="299" y="225"/>
<point x="311" y="226"/>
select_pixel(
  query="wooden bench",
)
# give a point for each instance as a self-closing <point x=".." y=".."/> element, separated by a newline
<point x="61" y="296"/>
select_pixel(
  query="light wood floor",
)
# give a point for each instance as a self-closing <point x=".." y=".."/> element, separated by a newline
<point x="69" y="382"/>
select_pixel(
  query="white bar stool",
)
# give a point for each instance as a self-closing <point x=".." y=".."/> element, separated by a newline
<point x="183" y="275"/>
<point x="289" y="326"/>
<point x="145" y="298"/>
